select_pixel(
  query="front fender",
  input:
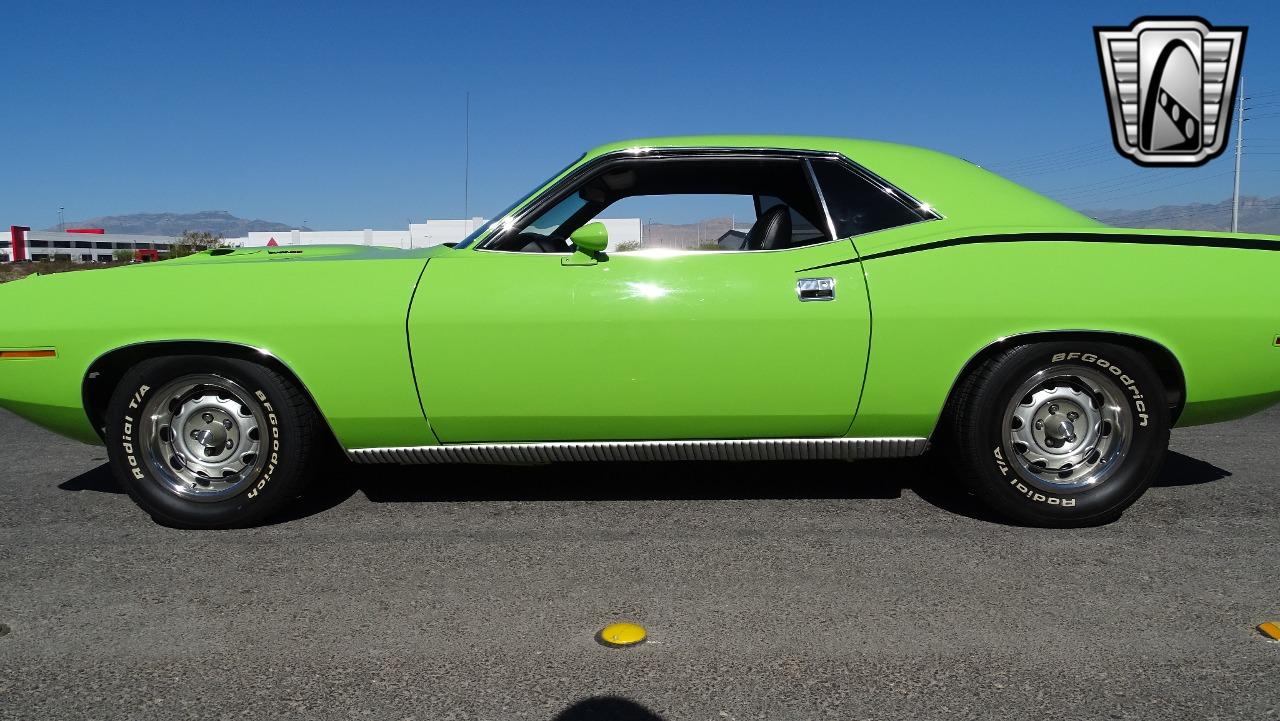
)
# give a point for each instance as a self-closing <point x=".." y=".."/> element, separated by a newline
<point x="339" y="325"/>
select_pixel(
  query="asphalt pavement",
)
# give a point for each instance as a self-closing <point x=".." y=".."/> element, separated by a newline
<point x="770" y="591"/>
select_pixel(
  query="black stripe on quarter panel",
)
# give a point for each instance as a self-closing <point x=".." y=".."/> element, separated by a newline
<point x="1189" y="241"/>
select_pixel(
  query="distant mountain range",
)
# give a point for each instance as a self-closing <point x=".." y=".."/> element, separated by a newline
<point x="219" y="222"/>
<point x="1257" y="215"/>
<point x="686" y="235"/>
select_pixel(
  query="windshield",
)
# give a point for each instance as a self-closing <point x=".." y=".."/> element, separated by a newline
<point x="482" y="230"/>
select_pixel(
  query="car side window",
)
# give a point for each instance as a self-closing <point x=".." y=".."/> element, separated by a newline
<point x="856" y="204"/>
<point x="681" y="202"/>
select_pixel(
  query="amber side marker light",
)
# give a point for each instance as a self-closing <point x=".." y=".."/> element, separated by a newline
<point x="46" y="353"/>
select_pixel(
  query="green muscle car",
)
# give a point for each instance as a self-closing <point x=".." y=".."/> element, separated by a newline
<point x="876" y="300"/>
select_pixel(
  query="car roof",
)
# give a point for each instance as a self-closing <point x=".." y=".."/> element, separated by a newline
<point x="955" y="187"/>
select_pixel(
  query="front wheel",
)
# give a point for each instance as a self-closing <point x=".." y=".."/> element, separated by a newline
<point x="207" y="442"/>
<point x="1059" y="434"/>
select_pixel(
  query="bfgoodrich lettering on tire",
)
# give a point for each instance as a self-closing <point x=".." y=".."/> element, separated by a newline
<point x="1059" y="434"/>
<point x="207" y="442"/>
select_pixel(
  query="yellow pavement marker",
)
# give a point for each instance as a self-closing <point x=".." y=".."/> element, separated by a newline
<point x="1270" y="629"/>
<point x="621" y="634"/>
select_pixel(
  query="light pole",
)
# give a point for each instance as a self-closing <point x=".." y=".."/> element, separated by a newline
<point x="1235" y="195"/>
<point x="62" y="225"/>
<point x="466" y="162"/>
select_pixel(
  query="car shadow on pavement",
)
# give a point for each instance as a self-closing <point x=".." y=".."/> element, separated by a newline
<point x="610" y="708"/>
<point x="590" y="481"/>
<point x="927" y="477"/>
<point x="98" y="479"/>
<point x="1180" y="470"/>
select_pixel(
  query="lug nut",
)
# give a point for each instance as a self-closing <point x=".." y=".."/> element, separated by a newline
<point x="226" y="423"/>
<point x="1053" y="407"/>
<point x="1072" y="416"/>
<point x="1039" y="424"/>
<point x="208" y="417"/>
<point x="230" y="445"/>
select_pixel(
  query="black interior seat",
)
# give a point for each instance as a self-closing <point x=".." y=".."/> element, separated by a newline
<point x="771" y="231"/>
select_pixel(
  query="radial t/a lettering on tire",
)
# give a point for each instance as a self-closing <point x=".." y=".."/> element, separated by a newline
<point x="208" y="442"/>
<point x="1059" y="434"/>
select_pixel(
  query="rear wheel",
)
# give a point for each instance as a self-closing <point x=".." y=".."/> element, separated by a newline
<point x="207" y="442"/>
<point x="1059" y="434"/>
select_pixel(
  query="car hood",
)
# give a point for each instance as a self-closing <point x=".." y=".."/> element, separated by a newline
<point x="223" y="264"/>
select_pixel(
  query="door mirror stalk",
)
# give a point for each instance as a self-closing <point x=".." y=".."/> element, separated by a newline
<point x="589" y="243"/>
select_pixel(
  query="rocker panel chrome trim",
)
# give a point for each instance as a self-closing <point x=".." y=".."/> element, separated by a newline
<point x="752" y="449"/>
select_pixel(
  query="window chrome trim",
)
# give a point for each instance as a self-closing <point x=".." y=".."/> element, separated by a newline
<point x="822" y="199"/>
<point x="553" y="192"/>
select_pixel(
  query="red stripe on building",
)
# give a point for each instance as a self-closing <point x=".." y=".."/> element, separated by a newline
<point x="18" y="241"/>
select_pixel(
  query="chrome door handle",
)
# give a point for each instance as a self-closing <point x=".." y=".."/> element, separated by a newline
<point x="808" y="289"/>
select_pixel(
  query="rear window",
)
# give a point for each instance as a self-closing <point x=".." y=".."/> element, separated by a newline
<point x="856" y="204"/>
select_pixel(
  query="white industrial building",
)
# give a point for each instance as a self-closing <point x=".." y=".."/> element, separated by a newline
<point x="418" y="235"/>
<point x="94" y="246"/>
<point x="83" y="245"/>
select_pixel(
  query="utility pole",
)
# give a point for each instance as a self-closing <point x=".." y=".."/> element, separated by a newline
<point x="466" y="164"/>
<point x="1235" y="195"/>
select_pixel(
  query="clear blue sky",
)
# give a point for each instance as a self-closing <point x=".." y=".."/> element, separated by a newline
<point x="350" y="115"/>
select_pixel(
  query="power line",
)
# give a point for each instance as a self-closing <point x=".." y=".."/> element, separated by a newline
<point x="1029" y="163"/>
<point x="1162" y="184"/>
<point x="1162" y="188"/>
<point x="1124" y="179"/>
<point x="1026" y="166"/>
<point x="1141" y="177"/>
<point x="1062" y="167"/>
<point x="1052" y="153"/>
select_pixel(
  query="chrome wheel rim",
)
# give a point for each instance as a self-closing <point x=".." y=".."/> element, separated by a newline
<point x="1067" y="429"/>
<point x="202" y="437"/>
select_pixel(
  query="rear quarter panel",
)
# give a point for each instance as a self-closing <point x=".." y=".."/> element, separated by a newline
<point x="1217" y="309"/>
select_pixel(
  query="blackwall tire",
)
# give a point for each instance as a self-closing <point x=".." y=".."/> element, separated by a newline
<point x="208" y="442"/>
<point x="1059" y="434"/>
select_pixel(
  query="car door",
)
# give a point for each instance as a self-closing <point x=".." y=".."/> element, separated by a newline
<point x="653" y="344"/>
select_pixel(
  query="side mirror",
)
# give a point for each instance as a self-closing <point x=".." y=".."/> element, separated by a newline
<point x="591" y="238"/>
<point x="588" y="240"/>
